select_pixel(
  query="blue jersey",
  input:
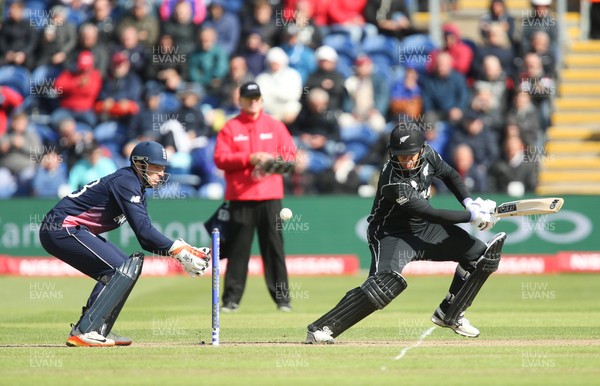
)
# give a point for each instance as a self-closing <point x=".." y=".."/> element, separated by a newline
<point x="105" y="204"/>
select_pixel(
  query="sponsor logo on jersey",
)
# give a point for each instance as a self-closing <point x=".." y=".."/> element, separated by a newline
<point x="136" y="199"/>
<point x="402" y="200"/>
<point x="240" y="138"/>
<point x="120" y="219"/>
<point x="426" y="170"/>
<point x="264" y="136"/>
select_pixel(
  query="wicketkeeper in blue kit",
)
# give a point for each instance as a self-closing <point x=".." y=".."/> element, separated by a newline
<point x="71" y="232"/>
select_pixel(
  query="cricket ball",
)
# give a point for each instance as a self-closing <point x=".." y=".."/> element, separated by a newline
<point x="285" y="214"/>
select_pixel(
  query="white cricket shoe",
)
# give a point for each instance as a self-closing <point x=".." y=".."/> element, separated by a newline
<point x="229" y="307"/>
<point x="89" y="339"/>
<point x="462" y="326"/>
<point x="319" y="337"/>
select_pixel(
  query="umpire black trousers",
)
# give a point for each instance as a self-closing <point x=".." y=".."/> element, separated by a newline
<point x="262" y="216"/>
<point x="595" y="21"/>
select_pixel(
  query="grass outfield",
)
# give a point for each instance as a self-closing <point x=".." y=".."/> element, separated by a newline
<point x="535" y="330"/>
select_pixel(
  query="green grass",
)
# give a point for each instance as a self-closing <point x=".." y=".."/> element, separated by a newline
<point x="535" y="330"/>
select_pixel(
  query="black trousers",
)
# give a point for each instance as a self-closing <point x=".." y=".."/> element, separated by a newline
<point x="246" y="216"/>
<point x="435" y="242"/>
<point x="595" y="21"/>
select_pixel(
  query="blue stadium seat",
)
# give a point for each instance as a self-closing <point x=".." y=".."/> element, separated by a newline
<point x="382" y="65"/>
<point x="342" y="44"/>
<point x="345" y="65"/>
<point x="381" y="46"/>
<point x="16" y="78"/>
<point x="415" y="51"/>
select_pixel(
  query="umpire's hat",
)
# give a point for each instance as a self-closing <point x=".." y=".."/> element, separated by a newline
<point x="250" y="90"/>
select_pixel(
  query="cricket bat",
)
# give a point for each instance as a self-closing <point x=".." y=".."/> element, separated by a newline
<point x="529" y="207"/>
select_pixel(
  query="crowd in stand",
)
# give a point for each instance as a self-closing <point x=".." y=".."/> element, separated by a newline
<point x="82" y="81"/>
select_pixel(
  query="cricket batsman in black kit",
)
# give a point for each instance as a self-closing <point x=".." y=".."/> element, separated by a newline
<point x="71" y="231"/>
<point x="404" y="227"/>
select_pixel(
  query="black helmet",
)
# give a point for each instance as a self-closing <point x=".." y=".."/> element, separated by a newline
<point x="406" y="140"/>
<point x="146" y="153"/>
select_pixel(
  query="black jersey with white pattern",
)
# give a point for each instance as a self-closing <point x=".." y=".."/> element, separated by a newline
<point x="402" y="200"/>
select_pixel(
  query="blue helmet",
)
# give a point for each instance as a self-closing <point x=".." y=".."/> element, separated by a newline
<point x="151" y="152"/>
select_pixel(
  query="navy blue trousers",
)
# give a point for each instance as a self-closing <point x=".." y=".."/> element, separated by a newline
<point x="88" y="253"/>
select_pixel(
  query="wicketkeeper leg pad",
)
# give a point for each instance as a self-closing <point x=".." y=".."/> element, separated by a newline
<point x="374" y="294"/>
<point x="101" y="316"/>
<point x="473" y="281"/>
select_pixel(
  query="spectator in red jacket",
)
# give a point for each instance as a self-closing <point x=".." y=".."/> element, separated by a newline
<point x="317" y="10"/>
<point x="9" y="100"/>
<point x="77" y="91"/>
<point x="346" y="12"/>
<point x="347" y="15"/>
<point x="461" y="53"/>
<point x="248" y="140"/>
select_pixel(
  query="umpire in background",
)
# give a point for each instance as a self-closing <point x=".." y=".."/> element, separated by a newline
<point x="245" y="143"/>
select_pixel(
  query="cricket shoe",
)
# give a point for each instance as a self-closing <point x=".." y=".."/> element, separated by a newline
<point x="230" y="307"/>
<point x="119" y="340"/>
<point x="284" y="307"/>
<point x="319" y="337"/>
<point x="89" y="339"/>
<point x="461" y="327"/>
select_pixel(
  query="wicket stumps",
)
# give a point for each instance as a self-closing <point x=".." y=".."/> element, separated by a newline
<point x="216" y="248"/>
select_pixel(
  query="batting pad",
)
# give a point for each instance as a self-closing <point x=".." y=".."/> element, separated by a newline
<point x="486" y="265"/>
<point x="374" y="294"/>
<point x="102" y="314"/>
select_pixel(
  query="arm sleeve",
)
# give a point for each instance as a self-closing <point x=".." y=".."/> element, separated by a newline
<point x="463" y="63"/>
<point x="194" y="70"/>
<point x="33" y="41"/>
<point x="135" y="211"/>
<point x="451" y="178"/>
<point x="225" y="158"/>
<point x="71" y="38"/>
<point x="65" y="84"/>
<point x="222" y="65"/>
<point x="417" y="206"/>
